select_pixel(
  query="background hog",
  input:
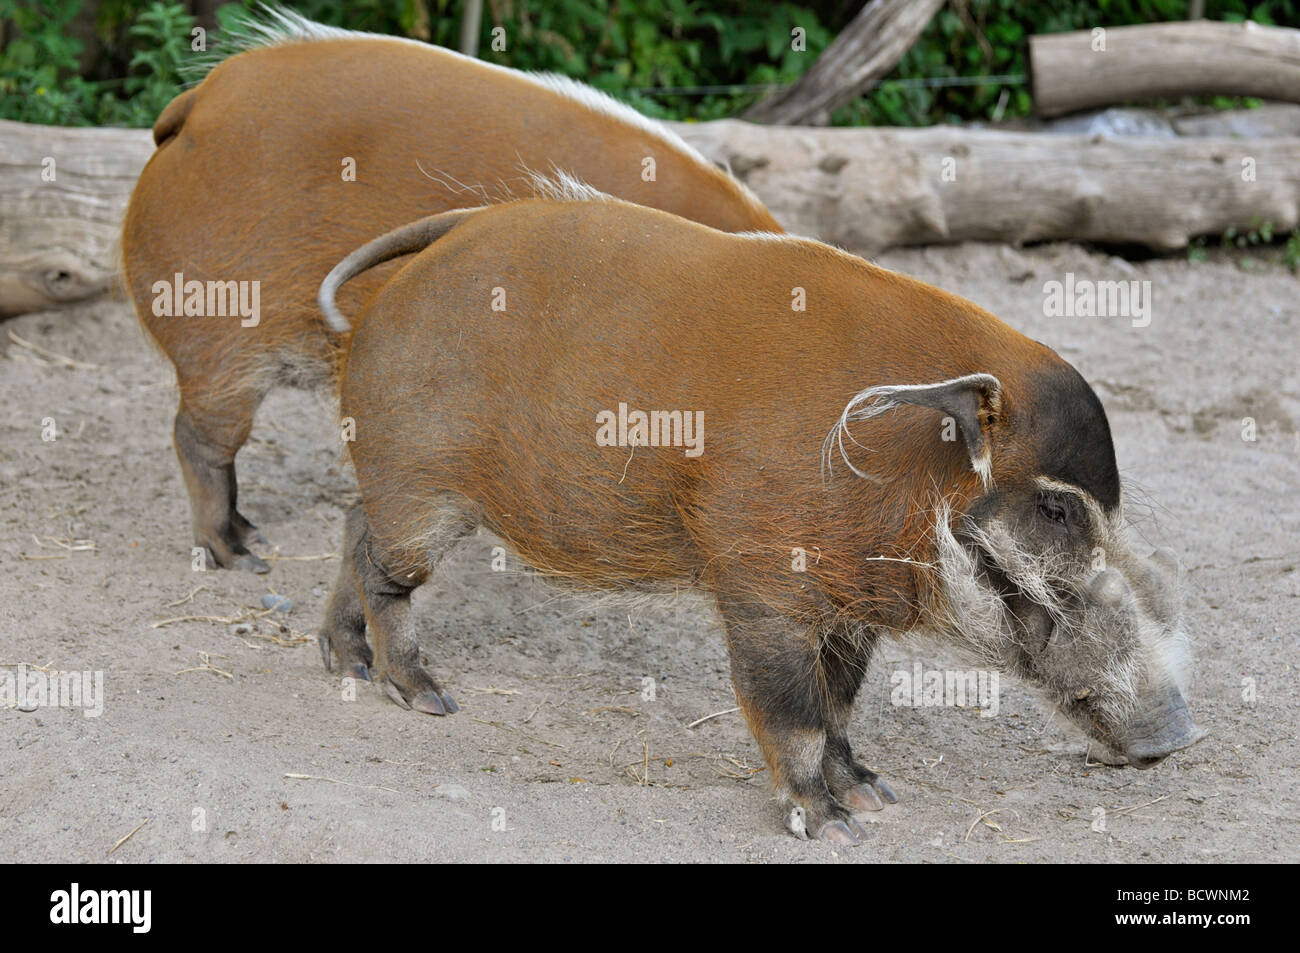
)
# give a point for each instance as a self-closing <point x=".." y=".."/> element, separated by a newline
<point x="247" y="185"/>
<point x="944" y="473"/>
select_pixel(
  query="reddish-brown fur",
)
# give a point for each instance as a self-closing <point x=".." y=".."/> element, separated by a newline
<point x="246" y="185"/>
<point x="710" y="329"/>
<point x="465" y="415"/>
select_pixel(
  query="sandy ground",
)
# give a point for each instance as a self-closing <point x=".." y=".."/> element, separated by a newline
<point x="556" y="755"/>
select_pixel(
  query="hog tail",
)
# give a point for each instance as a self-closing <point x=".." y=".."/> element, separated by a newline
<point x="171" y="119"/>
<point x="407" y="240"/>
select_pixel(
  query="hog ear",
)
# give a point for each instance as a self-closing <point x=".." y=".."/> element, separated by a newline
<point x="973" y="401"/>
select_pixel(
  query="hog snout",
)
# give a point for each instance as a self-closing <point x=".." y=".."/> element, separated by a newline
<point x="1161" y="730"/>
<point x="1108" y="588"/>
<point x="1165" y="560"/>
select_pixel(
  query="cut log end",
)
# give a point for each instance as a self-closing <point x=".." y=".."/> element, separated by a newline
<point x="1090" y="69"/>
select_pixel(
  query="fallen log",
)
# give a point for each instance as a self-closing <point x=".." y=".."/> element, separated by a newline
<point x="863" y="189"/>
<point x="62" y="195"/>
<point x="869" y="189"/>
<point x="1087" y="69"/>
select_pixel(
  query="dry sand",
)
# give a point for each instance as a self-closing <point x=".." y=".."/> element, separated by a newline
<point x="555" y="754"/>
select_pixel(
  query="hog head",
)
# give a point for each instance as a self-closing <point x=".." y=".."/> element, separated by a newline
<point x="1035" y="574"/>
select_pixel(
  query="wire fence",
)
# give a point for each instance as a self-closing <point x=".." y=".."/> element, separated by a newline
<point x="921" y="82"/>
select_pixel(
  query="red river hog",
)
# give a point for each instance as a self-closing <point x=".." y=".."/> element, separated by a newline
<point x="636" y="402"/>
<point x="310" y="142"/>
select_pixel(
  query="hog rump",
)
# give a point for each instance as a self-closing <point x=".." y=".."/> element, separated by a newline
<point x="942" y="472"/>
<point x="247" y="185"/>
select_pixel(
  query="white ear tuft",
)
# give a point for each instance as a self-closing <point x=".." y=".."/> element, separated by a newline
<point x="973" y="401"/>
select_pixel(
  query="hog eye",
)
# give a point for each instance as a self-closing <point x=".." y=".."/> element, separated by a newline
<point x="1052" y="511"/>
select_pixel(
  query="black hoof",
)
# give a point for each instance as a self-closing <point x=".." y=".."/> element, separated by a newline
<point x="250" y="563"/>
<point x="863" y="797"/>
<point x="358" y="670"/>
<point x="395" y="693"/>
<point x="846" y="832"/>
<point x="430" y="701"/>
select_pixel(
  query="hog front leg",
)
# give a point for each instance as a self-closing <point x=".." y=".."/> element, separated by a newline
<point x="344" y="631"/>
<point x="776" y="667"/>
<point x="846" y="653"/>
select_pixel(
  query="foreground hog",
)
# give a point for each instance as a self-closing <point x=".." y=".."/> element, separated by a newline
<point x="249" y="197"/>
<point x="943" y="473"/>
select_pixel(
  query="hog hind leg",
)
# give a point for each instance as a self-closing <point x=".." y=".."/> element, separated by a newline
<point x="208" y="435"/>
<point x="776" y="671"/>
<point x="846" y="653"/>
<point x="344" y="631"/>
<point x="387" y="573"/>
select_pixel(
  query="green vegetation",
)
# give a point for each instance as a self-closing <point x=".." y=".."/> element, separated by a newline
<point x="41" y="70"/>
<point x="133" y="60"/>
<point x="1261" y="234"/>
